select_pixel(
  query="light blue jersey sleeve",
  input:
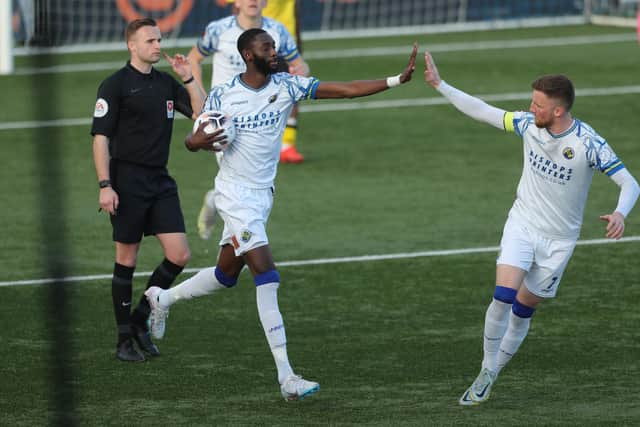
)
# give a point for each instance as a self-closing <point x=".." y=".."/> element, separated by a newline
<point x="288" y="49"/>
<point x="207" y="45"/>
<point x="518" y="121"/>
<point x="299" y="87"/>
<point x="599" y="154"/>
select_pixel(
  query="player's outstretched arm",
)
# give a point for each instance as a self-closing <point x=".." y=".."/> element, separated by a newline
<point x="471" y="106"/>
<point x="358" y="88"/>
<point x="629" y="192"/>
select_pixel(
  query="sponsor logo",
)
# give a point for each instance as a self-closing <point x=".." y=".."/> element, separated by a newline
<point x="273" y="98"/>
<point x="135" y="90"/>
<point x="170" y="109"/>
<point x="245" y="236"/>
<point x="240" y="102"/>
<point x="126" y="304"/>
<point x="236" y="245"/>
<point x="102" y="108"/>
<point x="568" y="153"/>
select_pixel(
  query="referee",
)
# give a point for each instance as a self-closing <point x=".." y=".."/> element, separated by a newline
<point x="132" y="125"/>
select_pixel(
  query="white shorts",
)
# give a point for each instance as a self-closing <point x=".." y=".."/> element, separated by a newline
<point x="544" y="259"/>
<point x="245" y="212"/>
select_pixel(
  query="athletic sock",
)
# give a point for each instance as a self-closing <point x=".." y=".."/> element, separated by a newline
<point x="204" y="282"/>
<point x="495" y="324"/>
<point x="163" y="276"/>
<point x="121" y="290"/>
<point x="519" y="321"/>
<point x="267" y="300"/>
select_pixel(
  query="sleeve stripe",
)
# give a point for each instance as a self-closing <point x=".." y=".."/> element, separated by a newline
<point x="508" y="121"/>
<point x="613" y="168"/>
<point x="314" y="87"/>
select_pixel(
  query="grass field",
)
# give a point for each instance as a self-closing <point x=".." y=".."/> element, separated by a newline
<point x="392" y="342"/>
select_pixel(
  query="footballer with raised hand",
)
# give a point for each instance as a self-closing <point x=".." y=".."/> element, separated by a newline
<point x="561" y="154"/>
<point x="259" y="102"/>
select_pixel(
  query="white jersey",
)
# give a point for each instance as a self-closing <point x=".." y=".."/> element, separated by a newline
<point x="557" y="174"/>
<point x="260" y="116"/>
<point x="220" y="39"/>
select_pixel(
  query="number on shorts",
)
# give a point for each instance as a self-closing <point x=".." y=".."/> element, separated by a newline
<point x="553" y="282"/>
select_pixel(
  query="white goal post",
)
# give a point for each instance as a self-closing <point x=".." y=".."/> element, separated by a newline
<point x="6" y="38"/>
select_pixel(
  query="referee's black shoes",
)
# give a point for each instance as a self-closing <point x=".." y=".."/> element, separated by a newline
<point x="143" y="338"/>
<point x="127" y="352"/>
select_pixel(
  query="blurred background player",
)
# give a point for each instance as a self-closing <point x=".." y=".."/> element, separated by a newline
<point x="219" y="39"/>
<point x="561" y="154"/>
<point x="259" y="100"/>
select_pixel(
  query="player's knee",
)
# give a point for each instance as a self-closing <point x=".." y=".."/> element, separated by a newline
<point x="226" y="280"/>
<point x="181" y="257"/>
<point x="504" y="294"/>
<point x="271" y="276"/>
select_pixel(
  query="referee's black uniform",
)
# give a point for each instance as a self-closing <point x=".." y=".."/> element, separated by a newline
<point x="135" y="111"/>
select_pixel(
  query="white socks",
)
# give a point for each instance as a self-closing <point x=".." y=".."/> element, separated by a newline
<point x="203" y="283"/>
<point x="516" y="332"/>
<point x="273" y="325"/>
<point x="495" y="324"/>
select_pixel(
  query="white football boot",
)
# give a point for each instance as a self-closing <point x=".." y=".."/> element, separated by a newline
<point x="480" y="389"/>
<point x="295" y="388"/>
<point x="158" y="315"/>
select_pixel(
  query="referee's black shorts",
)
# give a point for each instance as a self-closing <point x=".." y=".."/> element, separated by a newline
<point x="148" y="202"/>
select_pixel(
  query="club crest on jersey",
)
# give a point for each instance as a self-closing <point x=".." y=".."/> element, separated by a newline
<point x="245" y="236"/>
<point x="273" y="98"/>
<point x="170" y="109"/>
<point x="568" y="153"/>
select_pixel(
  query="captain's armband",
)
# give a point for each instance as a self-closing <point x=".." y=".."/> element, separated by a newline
<point x="507" y="121"/>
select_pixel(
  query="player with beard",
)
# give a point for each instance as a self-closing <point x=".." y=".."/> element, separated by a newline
<point x="561" y="154"/>
<point x="259" y="102"/>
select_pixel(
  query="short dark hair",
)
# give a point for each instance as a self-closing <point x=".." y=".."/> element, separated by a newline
<point x="557" y="86"/>
<point x="135" y="25"/>
<point x="246" y="38"/>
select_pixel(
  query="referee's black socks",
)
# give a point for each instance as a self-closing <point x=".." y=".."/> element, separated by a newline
<point x="121" y="290"/>
<point x="163" y="276"/>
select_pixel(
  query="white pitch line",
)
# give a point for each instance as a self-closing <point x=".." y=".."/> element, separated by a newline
<point x="322" y="261"/>
<point x="348" y="106"/>
<point x="374" y="51"/>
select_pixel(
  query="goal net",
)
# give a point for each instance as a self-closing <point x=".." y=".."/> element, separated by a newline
<point x="98" y="24"/>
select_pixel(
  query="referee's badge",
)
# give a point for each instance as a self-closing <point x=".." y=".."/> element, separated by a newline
<point x="170" y="109"/>
<point x="102" y="108"/>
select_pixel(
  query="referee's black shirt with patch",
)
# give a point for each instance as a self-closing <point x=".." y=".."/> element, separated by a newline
<point x="135" y="111"/>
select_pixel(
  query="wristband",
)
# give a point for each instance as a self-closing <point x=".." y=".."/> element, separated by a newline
<point x="394" y="81"/>
<point x="189" y="80"/>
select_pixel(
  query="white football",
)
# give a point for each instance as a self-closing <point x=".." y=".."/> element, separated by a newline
<point x="217" y="119"/>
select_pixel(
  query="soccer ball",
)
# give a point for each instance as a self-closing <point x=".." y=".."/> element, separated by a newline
<point x="217" y="119"/>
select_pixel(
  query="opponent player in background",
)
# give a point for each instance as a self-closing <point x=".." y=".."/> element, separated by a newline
<point x="220" y="39"/>
<point x="561" y="154"/>
<point x="259" y="102"/>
